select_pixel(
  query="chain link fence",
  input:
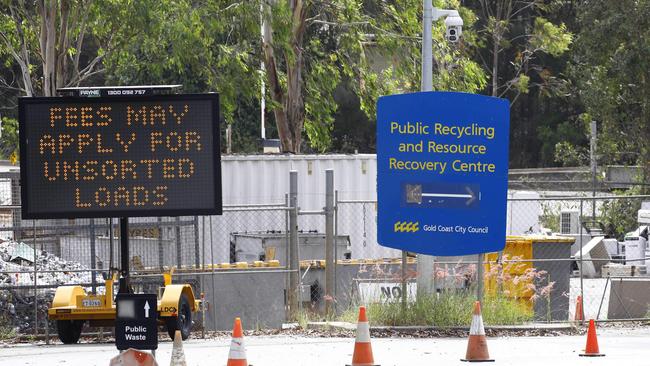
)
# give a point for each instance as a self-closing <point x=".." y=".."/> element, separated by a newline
<point x="559" y="250"/>
<point x="563" y="254"/>
<point x="235" y="262"/>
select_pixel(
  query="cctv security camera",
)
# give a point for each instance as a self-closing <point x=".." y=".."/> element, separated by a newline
<point x="454" y="25"/>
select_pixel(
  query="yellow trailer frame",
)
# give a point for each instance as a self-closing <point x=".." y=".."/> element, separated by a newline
<point x="72" y="306"/>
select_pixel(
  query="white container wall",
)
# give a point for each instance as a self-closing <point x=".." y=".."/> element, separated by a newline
<point x="523" y="216"/>
<point x="264" y="179"/>
<point x="255" y="179"/>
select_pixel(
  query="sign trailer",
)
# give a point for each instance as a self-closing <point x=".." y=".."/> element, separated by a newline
<point x="122" y="152"/>
<point x="442" y="172"/>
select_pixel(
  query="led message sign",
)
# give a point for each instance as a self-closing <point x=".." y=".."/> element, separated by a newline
<point x="120" y="156"/>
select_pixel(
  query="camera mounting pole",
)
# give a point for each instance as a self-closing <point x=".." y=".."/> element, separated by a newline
<point x="426" y="263"/>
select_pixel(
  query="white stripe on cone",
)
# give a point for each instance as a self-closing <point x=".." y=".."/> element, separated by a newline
<point x="477" y="326"/>
<point x="363" y="332"/>
<point x="237" y="350"/>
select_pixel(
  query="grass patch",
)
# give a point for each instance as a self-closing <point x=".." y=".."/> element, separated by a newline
<point x="6" y="330"/>
<point x="448" y="309"/>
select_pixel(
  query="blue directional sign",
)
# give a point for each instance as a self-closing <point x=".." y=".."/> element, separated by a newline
<point x="442" y="172"/>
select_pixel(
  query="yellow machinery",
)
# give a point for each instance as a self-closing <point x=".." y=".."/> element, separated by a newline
<point x="72" y="307"/>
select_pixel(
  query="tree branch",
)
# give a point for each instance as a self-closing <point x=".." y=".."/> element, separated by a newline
<point x="23" y="58"/>
<point x="85" y="76"/>
<point x="80" y="40"/>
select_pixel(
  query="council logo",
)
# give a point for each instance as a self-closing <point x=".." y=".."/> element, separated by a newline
<point x="406" y="227"/>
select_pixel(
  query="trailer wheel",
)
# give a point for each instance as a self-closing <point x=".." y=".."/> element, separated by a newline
<point x="69" y="330"/>
<point x="183" y="321"/>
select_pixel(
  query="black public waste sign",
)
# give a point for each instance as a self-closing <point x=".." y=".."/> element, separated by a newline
<point x="120" y="156"/>
<point x="136" y="324"/>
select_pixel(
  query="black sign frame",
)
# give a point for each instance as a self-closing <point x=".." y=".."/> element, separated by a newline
<point x="26" y="213"/>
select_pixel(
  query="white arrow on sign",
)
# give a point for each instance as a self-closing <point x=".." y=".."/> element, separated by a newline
<point x="471" y="197"/>
<point x="146" y="309"/>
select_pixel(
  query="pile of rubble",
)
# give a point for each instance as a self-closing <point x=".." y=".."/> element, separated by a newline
<point x="17" y="284"/>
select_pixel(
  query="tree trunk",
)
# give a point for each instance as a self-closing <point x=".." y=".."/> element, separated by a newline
<point x="495" y="63"/>
<point x="48" y="10"/>
<point x="62" y="46"/>
<point x="289" y="105"/>
<point x="295" y="106"/>
<point x="277" y="94"/>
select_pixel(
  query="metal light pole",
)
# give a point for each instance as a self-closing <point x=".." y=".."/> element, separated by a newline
<point x="427" y="53"/>
<point x="425" y="263"/>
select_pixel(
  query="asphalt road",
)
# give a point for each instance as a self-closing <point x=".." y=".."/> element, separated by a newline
<point x="622" y="347"/>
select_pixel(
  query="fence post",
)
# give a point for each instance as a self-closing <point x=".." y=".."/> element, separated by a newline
<point x="404" y="288"/>
<point x="35" y="279"/>
<point x="197" y="248"/>
<point x="594" y="166"/>
<point x="161" y="253"/>
<point x="330" y="261"/>
<point x="111" y="248"/>
<point x="93" y="256"/>
<point x="582" y="294"/>
<point x="479" y="277"/>
<point x="294" y="261"/>
<point x="424" y="275"/>
<point x="214" y="295"/>
<point x="15" y="214"/>
<point x="336" y="245"/>
<point x="179" y="251"/>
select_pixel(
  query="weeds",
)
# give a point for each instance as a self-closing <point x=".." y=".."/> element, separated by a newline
<point x="511" y="289"/>
<point x="448" y="309"/>
<point x="7" y="333"/>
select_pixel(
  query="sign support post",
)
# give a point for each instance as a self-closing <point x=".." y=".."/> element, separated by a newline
<point x="125" y="286"/>
<point x="121" y="152"/>
<point x="425" y="263"/>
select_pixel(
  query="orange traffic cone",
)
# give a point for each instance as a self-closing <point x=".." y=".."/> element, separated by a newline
<point x="591" y="350"/>
<point x="477" y="350"/>
<point x="237" y="355"/>
<point x="133" y="357"/>
<point x="579" y="311"/>
<point x="362" y="355"/>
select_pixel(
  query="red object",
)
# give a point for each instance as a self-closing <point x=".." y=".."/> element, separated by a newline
<point x="591" y="350"/>
<point x="580" y="316"/>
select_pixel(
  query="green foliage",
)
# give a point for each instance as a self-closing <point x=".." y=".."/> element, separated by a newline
<point x="355" y="51"/>
<point x="550" y="217"/>
<point x="568" y="154"/>
<point x="368" y="49"/>
<point x="399" y="28"/>
<point x="620" y="215"/>
<point x="521" y="83"/>
<point x="550" y="38"/>
<point x="9" y="140"/>
<point x="612" y="72"/>
<point x="206" y="48"/>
